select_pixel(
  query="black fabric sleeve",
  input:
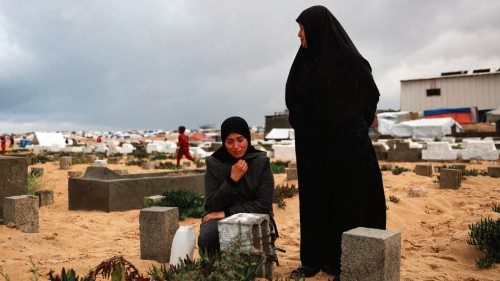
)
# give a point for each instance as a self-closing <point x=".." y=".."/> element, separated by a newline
<point x="217" y="195"/>
<point x="263" y="203"/>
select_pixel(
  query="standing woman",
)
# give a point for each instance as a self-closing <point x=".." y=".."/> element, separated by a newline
<point x="238" y="180"/>
<point x="332" y="98"/>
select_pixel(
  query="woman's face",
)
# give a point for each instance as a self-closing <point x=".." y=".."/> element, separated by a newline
<point x="302" y="35"/>
<point x="236" y="145"/>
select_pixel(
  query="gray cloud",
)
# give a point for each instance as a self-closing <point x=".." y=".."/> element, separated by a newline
<point x="157" y="64"/>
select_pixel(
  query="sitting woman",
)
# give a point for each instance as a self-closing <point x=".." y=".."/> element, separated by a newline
<point x="238" y="180"/>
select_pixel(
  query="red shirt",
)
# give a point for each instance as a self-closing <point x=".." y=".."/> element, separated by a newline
<point x="183" y="142"/>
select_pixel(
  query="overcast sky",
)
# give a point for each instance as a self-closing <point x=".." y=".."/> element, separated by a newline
<point x="108" y="65"/>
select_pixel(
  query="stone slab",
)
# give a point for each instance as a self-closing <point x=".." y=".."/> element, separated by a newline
<point x="439" y="151"/>
<point x="450" y="178"/>
<point x="291" y="173"/>
<point x="45" y="197"/>
<point x="423" y="170"/>
<point x="13" y="177"/>
<point x="157" y="227"/>
<point x="22" y="211"/>
<point x="494" y="171"/>
<point x="370" y="254"/>
<point x="65" y="163"/>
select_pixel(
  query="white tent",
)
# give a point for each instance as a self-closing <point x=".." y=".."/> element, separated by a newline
<point x="387" y="120"/>
<point x="49" y="139"/>
<point x="427" y="128"/>
<point x="281" y="134"/>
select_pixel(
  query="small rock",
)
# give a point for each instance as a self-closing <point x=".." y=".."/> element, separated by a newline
<point x="417" y="191"/>
<point x="11" y="225"/>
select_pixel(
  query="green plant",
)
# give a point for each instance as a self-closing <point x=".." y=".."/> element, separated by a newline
<point x="135" y="162"/>
<point x="457" y="146"/>
<point x="160" y="156"/>
<point x="283" y="191"/>
<point x="385" y="167"/>
<point x="34" y="184"/>
<point x="69" y="275"/>
<point x="485" y="234"/>
<point x="118" y="269"/>
<point x="496" y="208"/>
<point x="190" y="204"/>
<point x="398" y="170"/>
<point x="43" y="158"/>
<point x="168" y="166"/>
<point x="393" y="199"/>
<point x="278" y="167"/>
<point x="232" y="264"/>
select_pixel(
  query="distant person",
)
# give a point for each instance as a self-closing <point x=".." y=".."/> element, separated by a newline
<point x="99" y="139"/>
<point x="332" y="97"/>
<point x="238" y="180"/>
<point x="67" y="141"/>
<point x="12" y="140"/>
<point x="3" y="143"/>
<point x="183" y="146"/>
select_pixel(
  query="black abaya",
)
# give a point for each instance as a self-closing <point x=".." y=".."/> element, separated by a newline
<point x="332" y="98"/>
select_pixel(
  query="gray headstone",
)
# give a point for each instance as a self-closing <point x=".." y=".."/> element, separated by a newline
<point x="370" y="254"/>
<point x="65" y="163"/>
<point x="291" y="173"/>
<point x="121" y="172"/>
<point x="157" y="227"/>
<point x="255" y="232"/>
<point x="45" y="197"/>
<point x="450" y="178"/>
<point x="13" y="177"/>
<point x="494" y="171"/>
<point x="22" y="211"/>
<point x="423" y="170"/>
<point x="148" y="165"/>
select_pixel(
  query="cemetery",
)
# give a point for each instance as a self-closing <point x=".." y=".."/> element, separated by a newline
<point x="93" y="202"/>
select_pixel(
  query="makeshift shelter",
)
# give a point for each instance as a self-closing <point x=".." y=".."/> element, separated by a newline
<point x="493" y="115"/>
<point x="387" y="120"/>
<point x="199" y="136"/>
<point x="281" y="134"/>
<point x="464" y="115"/>
<point x="49" y="139"/>
<point x="426" y="128"/>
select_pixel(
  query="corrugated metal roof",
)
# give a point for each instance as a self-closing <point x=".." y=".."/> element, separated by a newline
<point x="497" y="72"/>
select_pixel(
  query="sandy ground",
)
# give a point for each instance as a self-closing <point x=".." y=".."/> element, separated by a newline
<point x="434" y="230"/>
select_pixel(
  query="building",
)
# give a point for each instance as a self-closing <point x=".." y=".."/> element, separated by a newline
<point x="279" y="120"/>
<point x="478" y="88"/>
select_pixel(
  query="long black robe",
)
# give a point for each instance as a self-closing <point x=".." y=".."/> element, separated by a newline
<point x="332" y="97"/>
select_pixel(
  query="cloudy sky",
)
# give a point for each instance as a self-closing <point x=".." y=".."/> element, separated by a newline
<point x="124" y="64"/>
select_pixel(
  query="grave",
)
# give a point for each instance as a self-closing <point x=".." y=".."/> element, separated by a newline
<point x="45" y="197"/>
<point x="65" y="163"/>
<point x="255" y="233"/>
<point x="13" y="177"/>
<point x="291" y="173"/>
<point x="439" y="151"/>
<point x="479" y="149"/>
<point x="381" y="151"/>
<point x="99" y="163"/>
<point x="285" y="152"/>
<point x="494" y="171"/>
<point x="370" y="254"/>
<point x="423" y="170"/>
<point x="403" y="153"/>
<point x="91" y="158"/>
<point x="157" y="227"/>
<point x="148" y="165"/>
<point x="450" y="178"/>
<point x="105" y="190"/>
<point x="22" y="211"/>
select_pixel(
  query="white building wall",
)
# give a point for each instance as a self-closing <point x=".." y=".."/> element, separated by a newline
<point x="480" y="90"/>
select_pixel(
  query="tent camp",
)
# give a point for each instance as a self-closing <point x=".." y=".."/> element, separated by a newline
<point x="426" y="128"/>
<point x="493" y="115"/>
<point x="49" y="139"/>
<point x="281" y="134"/>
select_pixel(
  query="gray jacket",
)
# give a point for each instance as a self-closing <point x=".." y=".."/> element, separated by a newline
<point x="253" y="193"/>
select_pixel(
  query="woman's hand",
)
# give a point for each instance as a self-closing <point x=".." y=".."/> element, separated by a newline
<point x="213" y="215"/>
<point x="238" y="170"/>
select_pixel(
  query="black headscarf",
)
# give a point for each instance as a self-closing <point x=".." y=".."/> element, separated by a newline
<point x="237" y="125"/>
<point x="329" y="80"/>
